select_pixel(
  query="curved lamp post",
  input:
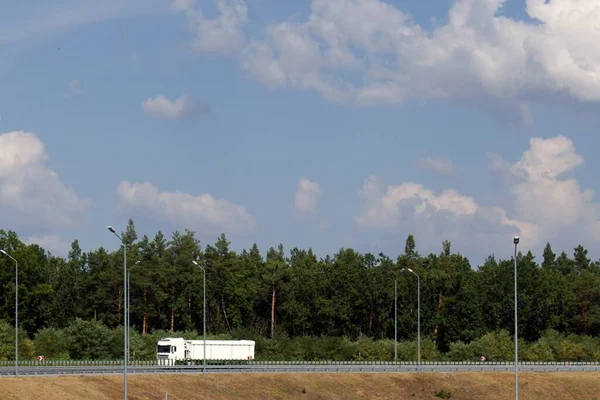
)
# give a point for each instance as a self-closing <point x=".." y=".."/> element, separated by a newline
<point x="418" y="315"/>
<point x="16" y="310"/>
<point x="125" y="311"/>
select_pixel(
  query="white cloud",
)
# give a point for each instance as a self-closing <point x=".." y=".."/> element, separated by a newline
<point x="546" y="204"/>
<point x="204" y="213"/>
<point x="29" y="187"/>
<point x="307" y="196"/>
<point x="221" y="34"/>
<point x="371" y="52"/>
<point x="545" y="196"/>
<point x="383" y="210"/>
<point x="441" y="166"/>
<point x="52" y="243"/>
<point x="182" y="107"/>
<point x="411" y="208"/>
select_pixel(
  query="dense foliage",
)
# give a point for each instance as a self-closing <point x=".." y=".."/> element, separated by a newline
<point x="297" y="306"/>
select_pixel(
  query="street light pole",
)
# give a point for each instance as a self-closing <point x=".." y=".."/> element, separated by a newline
<point x="16" y="311"/>
<point x="396" y="320"/>
<point x="203" y="313"/>
<point x="128" y="287"/>
<point x="418" y="316"/>
<point x="125" y="310"/>
<point x="516" y="242"/>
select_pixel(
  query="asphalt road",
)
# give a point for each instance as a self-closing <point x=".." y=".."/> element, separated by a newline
<point x="287" y="368"/>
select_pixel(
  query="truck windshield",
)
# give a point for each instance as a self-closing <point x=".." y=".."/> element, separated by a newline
<point x="163" y="349"/>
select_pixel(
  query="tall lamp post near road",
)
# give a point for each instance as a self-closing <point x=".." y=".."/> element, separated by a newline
<point x="16" y="310"/>
<point x="516" y="242"/>
<point x="125" y="310"/>
<point x="203" y="313"/>
<point x="418" y="315"/>
<point x="396" y="320"/>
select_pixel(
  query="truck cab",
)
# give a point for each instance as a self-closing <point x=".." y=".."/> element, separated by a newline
<point x="170" y="349"/>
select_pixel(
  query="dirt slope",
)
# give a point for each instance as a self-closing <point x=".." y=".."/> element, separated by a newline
<point x="307" y="386"/>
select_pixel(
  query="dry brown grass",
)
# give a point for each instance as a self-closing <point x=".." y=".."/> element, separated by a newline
<point x="308" y="386"/>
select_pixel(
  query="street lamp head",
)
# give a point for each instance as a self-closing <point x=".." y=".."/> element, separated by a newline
<point x="410" y="270"/>
<point x="137" y="262"/>
<point x="516" y="240"/>
<point x="198" y="265"/>
<point x="3" y="252"/>
<point x="110" y="228"/>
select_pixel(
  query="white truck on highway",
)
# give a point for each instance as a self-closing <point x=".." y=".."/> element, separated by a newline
<point x="171" y="351"/>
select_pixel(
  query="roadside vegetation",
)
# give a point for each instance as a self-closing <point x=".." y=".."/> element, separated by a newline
<point x="91" y="340"/>
<point x="295" y="305"/>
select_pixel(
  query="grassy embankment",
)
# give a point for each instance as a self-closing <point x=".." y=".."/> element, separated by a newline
<point x="308" y="386"/>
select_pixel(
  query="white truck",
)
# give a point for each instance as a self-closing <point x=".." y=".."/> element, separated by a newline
<point x="171" y="351"/>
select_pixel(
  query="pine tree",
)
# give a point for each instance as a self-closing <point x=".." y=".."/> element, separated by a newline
<point x="581" y="259"/>
<point x="549" y="257"/>
<point x="130" y="235"/>
<point x="409" y="247"/>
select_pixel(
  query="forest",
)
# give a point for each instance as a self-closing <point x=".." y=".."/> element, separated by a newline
<point x="295" y="305"/>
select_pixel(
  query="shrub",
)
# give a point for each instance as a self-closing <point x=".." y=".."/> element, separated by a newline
<point x="51" y="343"/>
<point x="442" y="394"/>
<point x="460" y="351"/>
<point x="371" y="350"/>
<point x="7" y="343"/>
<point x="407" y="350"/>
<point x="92" y="340"/>
<point x="496" y="346"/>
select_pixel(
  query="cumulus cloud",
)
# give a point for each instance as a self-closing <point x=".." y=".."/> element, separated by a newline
<point x="382" y="210"/>
<point x="32" y="189"/>
<point x="221" y="34"/>
<point x="433" y="217"/>
<point x="307" y="196"/>
<point x="182" y="107"/>
<point x="371" y="52"/>
<point x="52" y="243"/>
<point x="545" y="195"/>
<point x="545" y="203"/>
<point x="439" y="165"/>
<point x="204" y="213"/>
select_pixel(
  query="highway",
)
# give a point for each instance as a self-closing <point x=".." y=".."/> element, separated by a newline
<point x="291" y="368"/>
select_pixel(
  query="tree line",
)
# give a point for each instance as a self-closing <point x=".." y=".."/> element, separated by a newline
<point x="92" y="340"/>
<point x="294" y="295"/>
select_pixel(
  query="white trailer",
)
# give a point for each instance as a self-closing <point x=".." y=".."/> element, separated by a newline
<point x="170" y="351"/>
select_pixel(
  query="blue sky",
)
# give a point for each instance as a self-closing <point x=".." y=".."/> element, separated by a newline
<point x="475" y="125"/>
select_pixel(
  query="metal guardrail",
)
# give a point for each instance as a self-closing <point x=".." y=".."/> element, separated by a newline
<point x="280" y="367"/>
<point x="147" y="363"/>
